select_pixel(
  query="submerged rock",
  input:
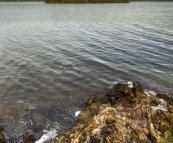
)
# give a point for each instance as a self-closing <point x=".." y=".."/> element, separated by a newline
<point x="29" y="137"/>
<point x="3" y="138"/>
<point x="20" y="117"/>
<point x="125" y="115"/>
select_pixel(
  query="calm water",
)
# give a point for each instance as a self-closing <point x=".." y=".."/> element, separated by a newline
<point x="52" y="57"/>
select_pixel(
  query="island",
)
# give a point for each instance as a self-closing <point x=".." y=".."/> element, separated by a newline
<point x="87" y="1"/>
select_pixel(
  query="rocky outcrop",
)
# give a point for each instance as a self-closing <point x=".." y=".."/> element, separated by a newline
<point x="125" y="115"/>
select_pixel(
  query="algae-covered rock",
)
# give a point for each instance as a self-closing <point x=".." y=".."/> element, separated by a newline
<point x="125" y="115"/>
<point x="29" y="137"/>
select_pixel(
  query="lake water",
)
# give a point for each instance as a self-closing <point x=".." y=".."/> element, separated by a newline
<point x="53" y="57"/>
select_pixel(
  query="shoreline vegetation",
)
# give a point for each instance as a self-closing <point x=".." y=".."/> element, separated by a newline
<point x="102" y="1"/>
<point x="87" y="1"/>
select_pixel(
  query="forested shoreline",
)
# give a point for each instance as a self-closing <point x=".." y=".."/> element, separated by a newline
<point x="87" y="1"/>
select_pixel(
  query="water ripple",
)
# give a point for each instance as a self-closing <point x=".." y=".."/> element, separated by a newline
<point x="52" y="57"/>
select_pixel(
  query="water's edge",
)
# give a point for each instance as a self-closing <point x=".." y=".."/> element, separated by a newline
<point x="126" y="104"/>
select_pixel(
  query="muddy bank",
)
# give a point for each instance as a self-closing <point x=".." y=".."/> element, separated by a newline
<point x="125" y="114"/>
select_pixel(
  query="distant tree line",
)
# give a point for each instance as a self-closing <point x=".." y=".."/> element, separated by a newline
<point x="87" y="1"/>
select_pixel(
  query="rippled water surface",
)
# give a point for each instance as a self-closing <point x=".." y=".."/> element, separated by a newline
<point x="52" y="57"/>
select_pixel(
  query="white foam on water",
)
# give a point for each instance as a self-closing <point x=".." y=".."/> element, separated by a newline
<point x="48" y="135"/>
<point x="115" y="82"/>
<point x="112" y="85"/>
<point x="22" y="122"/>
<point x="130" y="84"/>
<point x="77" y="113"/>
<point x="31" y="122"/>
<point x="158" y="71"/>
<point x="150" y="93"/>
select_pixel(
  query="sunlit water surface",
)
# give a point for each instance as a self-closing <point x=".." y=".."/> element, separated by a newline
<point x="52" y="57"/>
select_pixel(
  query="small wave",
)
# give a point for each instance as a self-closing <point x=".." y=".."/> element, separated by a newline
<point x="48" y="135"/>
<point x="77" y="113"/>
<point x="149" y="93"/>
<point x="158" y="71"/>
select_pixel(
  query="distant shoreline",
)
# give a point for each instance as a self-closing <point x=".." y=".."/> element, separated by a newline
<point x="44" y="1"/>
<point x="22" y="1"/>
<point x="151" y="0"/>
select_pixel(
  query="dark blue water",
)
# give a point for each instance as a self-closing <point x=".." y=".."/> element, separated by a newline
<point x="52" y="57"/>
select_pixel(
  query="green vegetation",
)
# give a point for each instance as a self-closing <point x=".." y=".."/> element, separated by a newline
<point x="87" y="1"/>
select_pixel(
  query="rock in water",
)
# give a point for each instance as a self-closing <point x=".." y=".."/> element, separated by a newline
<point x="29" y="137"/>
<point x="3" y="138"/>
<point x="125" y="115"/>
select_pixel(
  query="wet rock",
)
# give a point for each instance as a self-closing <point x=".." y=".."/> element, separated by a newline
<point x="123" y="89"/>
<point x="112" y="100"/>
<point x="3" y="138"/>
<point x="124" y="115"/>
<point x="119" y="108"/>
<point x="29" y="137"/>
<point x="170" y="106"/>
<point x="146" y="132"/>
<point x="161" y="126"/>
<point x="163" y="96"/>
<point x="128" y="89"/>
<point x="19" y="117"/>
<point x="1" y="128"/>
<point x="37" y="128"/>
<point x="153" y="101"/>
<point x="138" y="88"/>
